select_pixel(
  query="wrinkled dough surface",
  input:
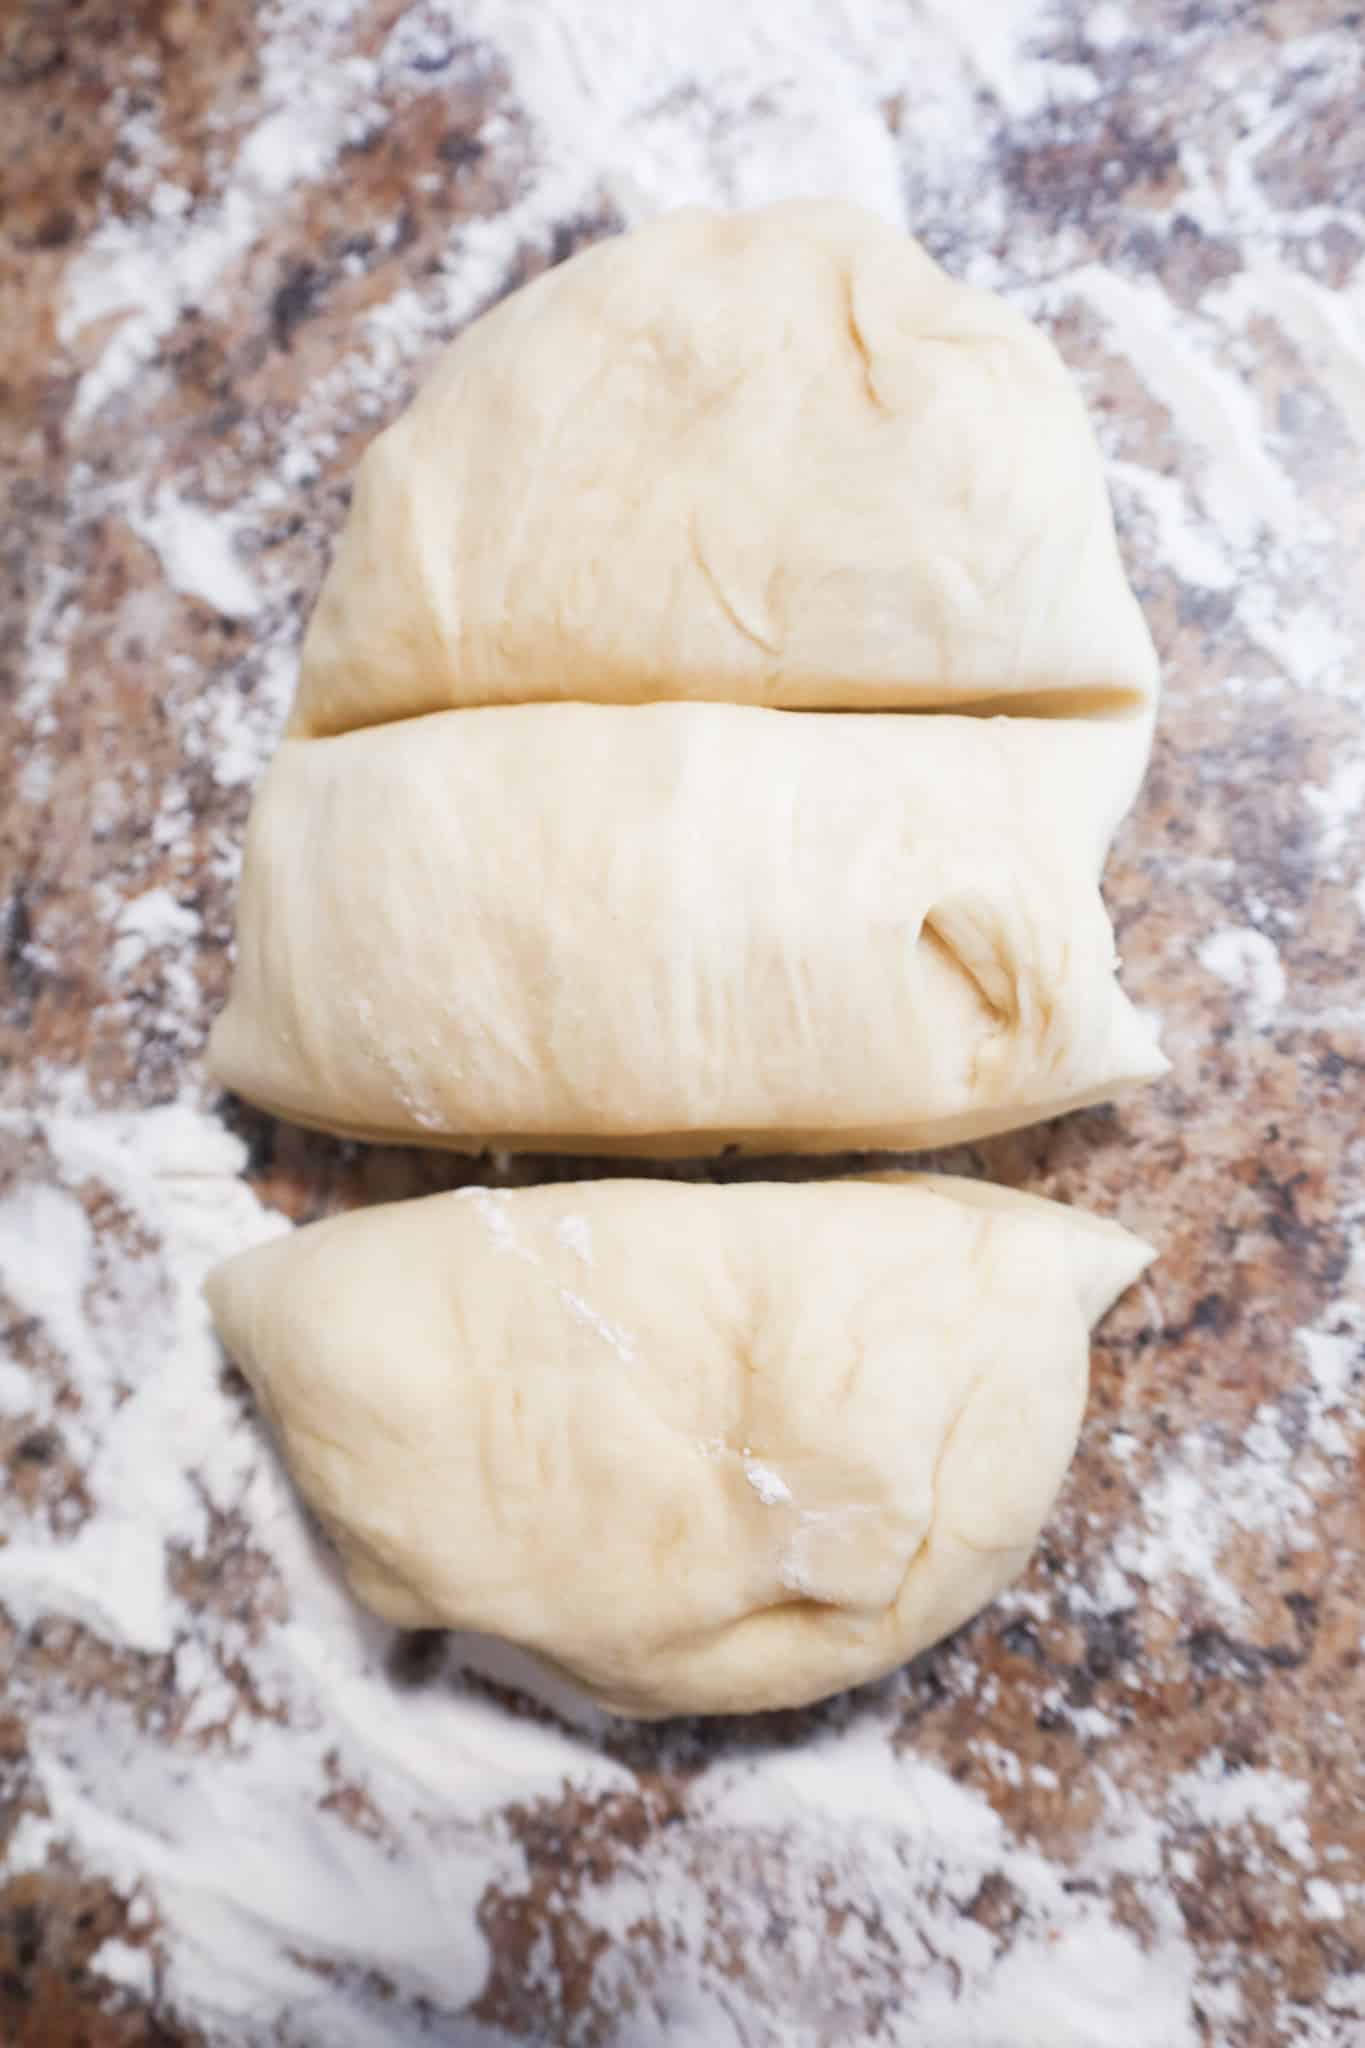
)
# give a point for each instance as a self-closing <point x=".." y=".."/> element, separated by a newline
<point x="774" y="458"/>
<point x="706" y="1449"/>
<point x="677" y="926"/>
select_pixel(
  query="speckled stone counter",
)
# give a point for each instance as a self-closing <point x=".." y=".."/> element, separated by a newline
<point x="1126" y="1805"/>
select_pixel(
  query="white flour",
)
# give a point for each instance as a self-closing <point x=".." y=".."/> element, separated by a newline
<point x="364" y="1814"/>
<point x="771" y="1488"/>
<point x="1248" y="962"/>
<point x="151" y="267"/>
<point x="1338" y="805"/>
<point x="491" y="1206"/>
<point x="612" y="1335"/>
<point x="576" y="1233"/>
<point x="197" y="554"/>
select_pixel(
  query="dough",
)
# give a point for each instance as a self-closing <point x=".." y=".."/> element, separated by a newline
<point x="776" y="458"/>
<point x="706" y="1449"/>
<point x="664" y="928"/>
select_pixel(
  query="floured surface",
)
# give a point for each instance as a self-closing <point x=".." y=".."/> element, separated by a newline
<point x="1127" y="1798"/>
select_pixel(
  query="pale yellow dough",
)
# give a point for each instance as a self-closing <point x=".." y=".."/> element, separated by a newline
<point x="706" y="1449"/>
<point x="775" y="458"/>
<point x="669" y="927"/>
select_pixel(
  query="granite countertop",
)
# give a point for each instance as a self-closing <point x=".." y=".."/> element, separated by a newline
<point x="1126" y="1804"/>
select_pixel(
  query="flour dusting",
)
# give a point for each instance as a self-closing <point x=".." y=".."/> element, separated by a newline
<point x="1248" y="962"/>
<point x="492" y="1205"/>
<point x="612" y="1335"/>
<point x="771" y="1488"/>
<point x="575" y="1232"/>
<point x="197" y="554"/>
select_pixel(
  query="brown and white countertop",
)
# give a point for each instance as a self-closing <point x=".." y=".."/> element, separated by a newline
<point x="1125" y="1808"/>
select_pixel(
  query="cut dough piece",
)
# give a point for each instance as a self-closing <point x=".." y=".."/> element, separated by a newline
<point x="705" y="1449"/>
<point x="776" y="458"/>
<point x="666" y="928"/>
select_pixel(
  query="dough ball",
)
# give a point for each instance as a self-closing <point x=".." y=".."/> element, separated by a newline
<point x="705" y="1449"/>
<point x="666" y="928"/>
<point x="776" y="458"/>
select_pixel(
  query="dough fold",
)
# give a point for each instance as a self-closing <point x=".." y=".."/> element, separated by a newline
<point x="667" y="928"/>
<point x="704" y="1449"/>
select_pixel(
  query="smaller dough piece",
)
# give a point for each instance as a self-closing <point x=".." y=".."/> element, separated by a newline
<point x="671" y="927"/>
<point x="772" y="458"/>
<point x="704" y="1449"/>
